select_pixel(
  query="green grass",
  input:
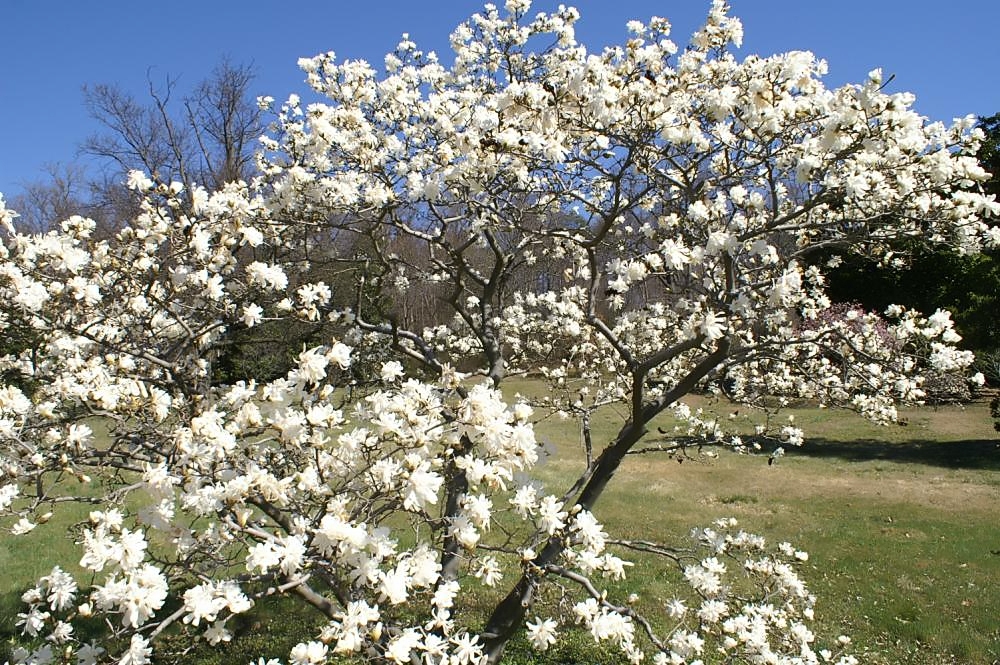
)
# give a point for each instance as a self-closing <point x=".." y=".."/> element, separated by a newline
<point x="23" y="559"/>
<point x="900" y="521"/>
<point x="900" y="524"/>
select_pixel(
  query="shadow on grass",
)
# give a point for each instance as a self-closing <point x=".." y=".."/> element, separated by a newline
<point x="970" y="454"/>
<point x="10" y="605"/>
<point x="276" y="625"/>
<point x="10" y="633"/>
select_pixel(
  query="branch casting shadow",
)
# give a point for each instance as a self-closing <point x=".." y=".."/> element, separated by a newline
<point x="983" y="454"/>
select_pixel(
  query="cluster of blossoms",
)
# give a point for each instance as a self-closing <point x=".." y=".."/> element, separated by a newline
<point x="725" y="617"/>
<point x="633" y="225"/>
<point x="684" y="194"/>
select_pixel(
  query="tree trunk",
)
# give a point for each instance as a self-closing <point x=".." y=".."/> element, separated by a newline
<point x="508" y="615"/>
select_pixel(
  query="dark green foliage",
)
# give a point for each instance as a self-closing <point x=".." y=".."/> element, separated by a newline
<point x="988" y="362"/>
<point x="17" y="337"/>
<point x="269" y="350"/>
<point x="264" y="352"/>
<point x="967" y="286"/>
<point x="989" y="152"/>
<point x="932" y="278"/>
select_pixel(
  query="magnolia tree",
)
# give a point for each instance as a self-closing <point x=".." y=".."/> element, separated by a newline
<point x="630" y="226"/>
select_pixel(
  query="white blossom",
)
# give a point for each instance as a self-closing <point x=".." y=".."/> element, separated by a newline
<point x="621" y="226"/>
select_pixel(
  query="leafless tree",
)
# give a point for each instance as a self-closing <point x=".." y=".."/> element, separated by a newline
<point x="61" y="193"/>
<point x="225" y="123"/>
<point x="206" y="138"/>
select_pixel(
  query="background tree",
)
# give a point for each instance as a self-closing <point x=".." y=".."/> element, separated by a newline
<point x="209" y="137"/>
<point x="62" y="193"/>
<point x="656" y="181"/>
<point x="989" y="152"/>
<point x="931" y="277"/>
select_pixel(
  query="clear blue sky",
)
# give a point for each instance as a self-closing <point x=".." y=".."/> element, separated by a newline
<point x="947" y="53"/>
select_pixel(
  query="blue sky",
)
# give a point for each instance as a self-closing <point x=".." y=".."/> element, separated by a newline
<point x="944" y="52"/>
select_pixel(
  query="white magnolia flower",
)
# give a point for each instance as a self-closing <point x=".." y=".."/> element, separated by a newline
<point x="392" y="371"/>
<point x="23" y="526"/>
<point x="542" y="633"/>
<point x="138" y="652"/>
<point x="713" y="326"/>
<point x="308" y="653"/>
<point x="252" y="315"/>
<point x="340" y="355"/>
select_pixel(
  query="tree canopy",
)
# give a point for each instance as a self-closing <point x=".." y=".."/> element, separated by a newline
<point x="630" y="226"/>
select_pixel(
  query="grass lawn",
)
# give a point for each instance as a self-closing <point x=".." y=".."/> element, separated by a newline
<point x="900" y="524"/>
